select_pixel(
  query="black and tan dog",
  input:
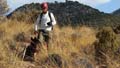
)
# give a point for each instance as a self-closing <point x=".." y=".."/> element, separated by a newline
<point x="32" y="49"/>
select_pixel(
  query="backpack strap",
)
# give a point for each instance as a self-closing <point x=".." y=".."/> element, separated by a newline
<point x="40" y="17"/>
<point x="49" y="13"/>
<point x="50" y="17"/>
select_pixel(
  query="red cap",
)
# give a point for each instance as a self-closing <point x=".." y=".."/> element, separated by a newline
<point x="44" y="5"/>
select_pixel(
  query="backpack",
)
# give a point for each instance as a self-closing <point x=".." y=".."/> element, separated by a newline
<point x="49" y="13"/>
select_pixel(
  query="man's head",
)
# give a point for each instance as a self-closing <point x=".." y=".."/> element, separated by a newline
<point x="44" y="7"/>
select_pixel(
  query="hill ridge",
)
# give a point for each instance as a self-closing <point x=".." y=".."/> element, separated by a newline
<point x="67" y="13"/>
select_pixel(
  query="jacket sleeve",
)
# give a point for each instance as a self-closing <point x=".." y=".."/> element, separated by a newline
<point x="36" y="23"/>
<point x="53" y="19"/>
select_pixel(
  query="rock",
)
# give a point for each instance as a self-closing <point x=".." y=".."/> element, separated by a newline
<point x="82" y="62"/>
<point x="54" y="58"/>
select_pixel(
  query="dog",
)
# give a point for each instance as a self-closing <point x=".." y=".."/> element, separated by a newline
<point x="32" y="49"/>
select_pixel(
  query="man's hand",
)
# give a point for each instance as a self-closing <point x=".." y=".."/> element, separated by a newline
<point x="49" y="24"/>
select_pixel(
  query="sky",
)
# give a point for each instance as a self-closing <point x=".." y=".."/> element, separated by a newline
<point x="107" y="6"/>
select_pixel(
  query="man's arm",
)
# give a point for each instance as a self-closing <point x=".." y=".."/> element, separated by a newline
<point x="36" y="23"/>
<point x="53" y="19"/>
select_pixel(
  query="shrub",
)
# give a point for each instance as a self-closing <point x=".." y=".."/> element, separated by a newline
<point x="106" y="46"/>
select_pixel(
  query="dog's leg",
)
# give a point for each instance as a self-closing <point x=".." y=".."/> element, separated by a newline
<point x="35" y="56"/>
<point x="24" y="53"/>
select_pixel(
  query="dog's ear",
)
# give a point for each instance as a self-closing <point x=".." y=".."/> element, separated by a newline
<point x="35" y="38"/>
<point x="32" y="38"/>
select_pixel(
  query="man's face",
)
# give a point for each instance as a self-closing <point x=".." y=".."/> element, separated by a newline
<point x="44" y="10"/>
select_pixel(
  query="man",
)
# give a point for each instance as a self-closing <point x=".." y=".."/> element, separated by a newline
<point x="44" y="24"/>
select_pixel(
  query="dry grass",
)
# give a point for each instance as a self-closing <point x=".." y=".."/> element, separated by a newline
<point x="69" y="43"/>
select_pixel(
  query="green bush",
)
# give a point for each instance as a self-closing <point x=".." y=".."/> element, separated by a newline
<point x="106" y="46"/>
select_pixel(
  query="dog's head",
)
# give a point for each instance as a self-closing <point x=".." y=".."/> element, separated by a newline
<point x="35" y="40"/>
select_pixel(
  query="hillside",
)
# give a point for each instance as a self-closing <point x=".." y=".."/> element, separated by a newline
<point x="117" y="12"/>
<point x="80" y="47"/>
<point x="70" y="48"/>
<point x="70" y="13"/>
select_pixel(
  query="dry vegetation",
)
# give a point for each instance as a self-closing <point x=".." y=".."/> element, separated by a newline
<point x="75" y="46"/>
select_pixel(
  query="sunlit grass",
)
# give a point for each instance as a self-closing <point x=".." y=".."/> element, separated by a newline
<point x="65" y="42"/>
